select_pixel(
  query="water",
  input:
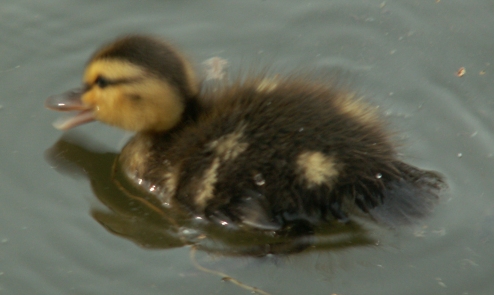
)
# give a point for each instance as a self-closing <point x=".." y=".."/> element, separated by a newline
<point x="403" y="55"/>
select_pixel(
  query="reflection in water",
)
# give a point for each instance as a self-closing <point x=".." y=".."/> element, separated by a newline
<point x="141" y="218"/>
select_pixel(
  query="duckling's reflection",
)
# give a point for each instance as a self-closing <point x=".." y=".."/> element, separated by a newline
<point x="142" y="219"/>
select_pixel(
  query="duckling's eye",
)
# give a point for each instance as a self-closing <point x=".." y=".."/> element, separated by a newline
<point x="101" y="82"/>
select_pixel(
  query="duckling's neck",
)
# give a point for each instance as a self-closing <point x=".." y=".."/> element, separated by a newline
<point x="193" y="109"/>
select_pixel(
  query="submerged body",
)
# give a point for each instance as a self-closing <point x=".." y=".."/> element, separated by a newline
<point x="259" y="154"/>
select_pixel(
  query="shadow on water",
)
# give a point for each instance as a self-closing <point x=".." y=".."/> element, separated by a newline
<point x="141" y="218"/>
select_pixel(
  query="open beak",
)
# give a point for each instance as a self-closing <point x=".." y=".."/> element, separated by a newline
<point x="68" y="102"/>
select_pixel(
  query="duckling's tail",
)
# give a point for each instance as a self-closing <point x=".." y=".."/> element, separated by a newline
<point x="410" y="197"/>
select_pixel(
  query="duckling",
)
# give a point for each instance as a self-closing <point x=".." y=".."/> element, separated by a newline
<point x="262" y="153"/>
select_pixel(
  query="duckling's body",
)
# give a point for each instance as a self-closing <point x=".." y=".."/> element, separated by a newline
<point x="261" y="153"/>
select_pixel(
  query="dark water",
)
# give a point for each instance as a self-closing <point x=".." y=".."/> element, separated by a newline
<point x="403" y="55"/>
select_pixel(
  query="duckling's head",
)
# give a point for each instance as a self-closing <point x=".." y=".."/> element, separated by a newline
<point x="138" y="83"/>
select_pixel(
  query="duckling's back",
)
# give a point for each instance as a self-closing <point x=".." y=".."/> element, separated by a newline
<point x="267" y="153"/>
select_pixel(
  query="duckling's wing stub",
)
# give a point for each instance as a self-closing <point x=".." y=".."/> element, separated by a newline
<point x="409" y="198"/>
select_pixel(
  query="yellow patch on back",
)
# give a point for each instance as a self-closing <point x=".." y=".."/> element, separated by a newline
<point x="358" y="109"/>
<point x="316" y="168"/>
<point x="206" y="186"/>
<point x="229" y="146"/>
<point x="267" y="84"/>
<point x="169" y="186"/>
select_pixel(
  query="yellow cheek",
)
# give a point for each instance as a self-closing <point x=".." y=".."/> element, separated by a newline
<point x="89" y="99"/>
<point x="105" y="103"/>
<point x="149" y="105"/>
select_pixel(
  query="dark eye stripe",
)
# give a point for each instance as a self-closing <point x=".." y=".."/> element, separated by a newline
<point x="103" y="82"/>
